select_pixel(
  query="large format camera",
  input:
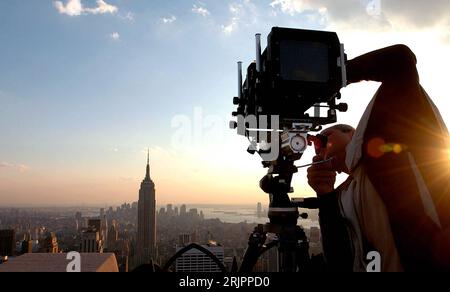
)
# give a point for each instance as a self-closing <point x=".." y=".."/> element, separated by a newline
<point x="278" y="105"/>
<point x="299" y="70"/>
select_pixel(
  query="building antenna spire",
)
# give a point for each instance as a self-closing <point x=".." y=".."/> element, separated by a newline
<point x="147" y="174"/>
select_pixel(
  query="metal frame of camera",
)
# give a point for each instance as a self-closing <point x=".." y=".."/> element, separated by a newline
<point x="268" y="90"/>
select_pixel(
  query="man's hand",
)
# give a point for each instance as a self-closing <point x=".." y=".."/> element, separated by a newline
<point x="321" y="177"/>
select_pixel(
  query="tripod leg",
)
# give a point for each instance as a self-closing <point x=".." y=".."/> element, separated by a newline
<point x="302" y="251"/>
<point x="255" y="244"/>
<point x="287" y="254"/>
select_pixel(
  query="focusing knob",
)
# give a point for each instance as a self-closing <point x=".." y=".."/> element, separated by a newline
<point x="233" y="125"/>
<point x="251" y="150"/>
<point x="236" y="100"/>
<point x="342" y="107"/>
<point x="298" y="143"/>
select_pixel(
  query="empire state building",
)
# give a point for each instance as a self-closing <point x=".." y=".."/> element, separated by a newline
<point x="146" y="239"/>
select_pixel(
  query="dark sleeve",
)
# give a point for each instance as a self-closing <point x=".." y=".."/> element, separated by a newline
<point x="395" y="64"/>
<point x="402" y="115"/>
<point x="335" y="239"/>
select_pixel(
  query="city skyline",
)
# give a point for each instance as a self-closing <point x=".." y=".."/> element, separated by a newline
<point x="87" y="86"/>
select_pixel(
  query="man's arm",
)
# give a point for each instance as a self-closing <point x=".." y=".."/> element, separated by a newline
<point x="335" y="238"/>
<point x="395" y="64"/>
<point x="402" y="115"/>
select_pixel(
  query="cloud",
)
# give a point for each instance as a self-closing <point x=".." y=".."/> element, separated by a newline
<point x="242" y="12"/>
<point x="129" y="16"/>
<point x="290" y="6"/>
<point x="76" y="8"/>
<point x="200" y="10"/>
<point x="115" y="36"/>
<point x="379" y="14"/>
<point x="72" y="8"/>
<point x="364" y="13"/>
<point x="18" y="167"/>
<point x="418" y="13"/>
<point x="102" y="8"/>
<point x="169" y="19"/>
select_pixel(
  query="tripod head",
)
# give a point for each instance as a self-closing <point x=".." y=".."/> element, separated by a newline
<point x="277" y="183"/>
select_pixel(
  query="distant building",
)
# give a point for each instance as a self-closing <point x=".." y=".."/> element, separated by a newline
<point x="194" y="236"/>
<point x="95" y="224"/>
<point x="170" y="211"/>
<point x="103" y="226"/>
<point x="259" y="211"/>
<point x="228" y="262"/>
<point x="162" y="211"/>
<point x="193" y="212"/>
<point x="184" y="239"/>
<point x="122" y="251"/>
<point x="272" y="260"/>
<point x="196" y="261"/>
<point x="90" y="241"/>
<point x="183" y="210"/>
<point x="42" y="262"/>
<point x="79" y="220"/>
<point x="7" y="242"/>
<point x="315" y="243"/>
<point x="146" y="237"/>
<point x="49" y="243"/>
<point x="113" y="235"/>
<point x="26" y="246"/>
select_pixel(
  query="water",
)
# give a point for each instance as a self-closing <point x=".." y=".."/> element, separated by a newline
<point x="241" y="213"/>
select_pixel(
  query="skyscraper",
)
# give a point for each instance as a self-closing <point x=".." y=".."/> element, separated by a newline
<point x="7" y="242"/>
<point x="48" y="243"/>
<point x="113" y="235"/>
<point x="26" y="246"/>
<point x="95" y="224"/>
<point x="259" y="210"/>
<point x="183" y="210"/>
<point x="90" y="241"/>
<point x="146" y="239"/>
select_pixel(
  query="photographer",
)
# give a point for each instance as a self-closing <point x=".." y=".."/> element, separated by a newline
<point x="397" y="198"/>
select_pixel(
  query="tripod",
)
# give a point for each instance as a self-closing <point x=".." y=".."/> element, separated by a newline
<point x="291" y="240"/>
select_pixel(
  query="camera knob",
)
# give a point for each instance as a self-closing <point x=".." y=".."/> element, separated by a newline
<point x="236" y="100"/>
<point x="233" y="125"/>
<point x="342" y="107"/>
<point x="251" y="150"/>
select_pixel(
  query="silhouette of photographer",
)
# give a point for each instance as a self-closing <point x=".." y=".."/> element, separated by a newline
<point x="396" y="200"/>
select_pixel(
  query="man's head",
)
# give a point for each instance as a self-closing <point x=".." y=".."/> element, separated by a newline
<point x="338" y="138"/>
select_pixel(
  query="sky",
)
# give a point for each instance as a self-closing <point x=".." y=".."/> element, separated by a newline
<point x="87" y="86"/>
